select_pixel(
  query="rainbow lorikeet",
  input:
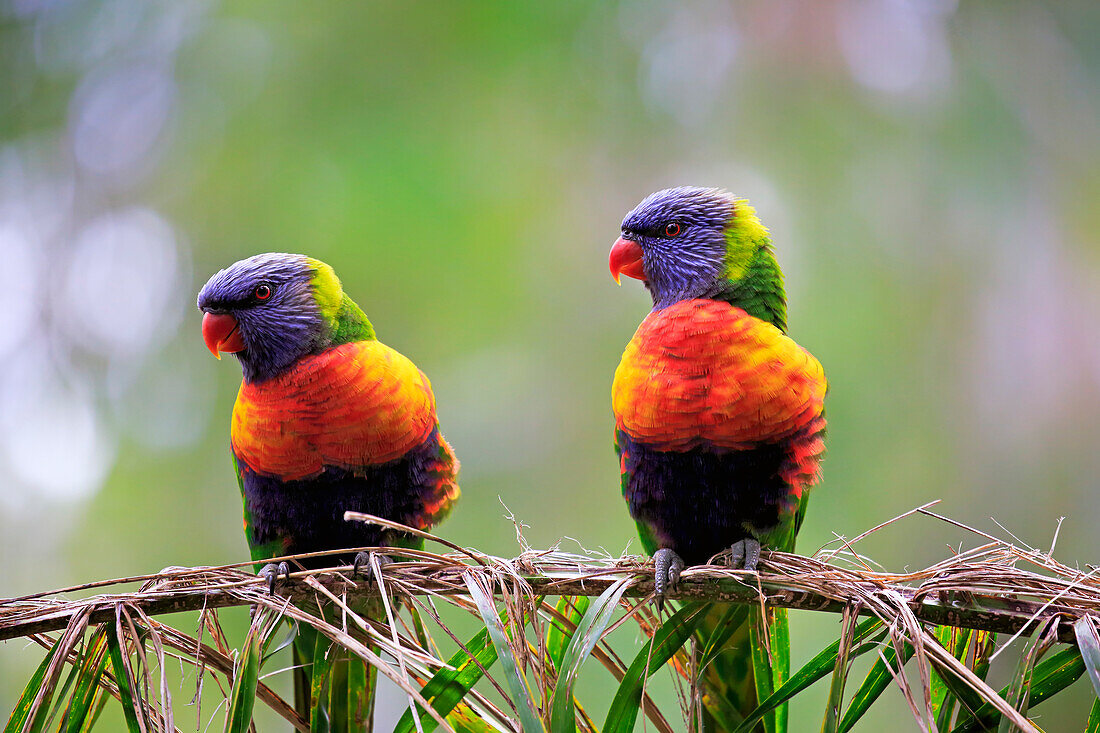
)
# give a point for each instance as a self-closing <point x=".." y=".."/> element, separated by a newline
<point x="719" y="414"/>
<point x="327" y="419"/>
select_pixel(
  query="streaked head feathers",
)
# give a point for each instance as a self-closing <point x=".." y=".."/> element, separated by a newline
<point x="691" y="242"/>
<point x="274" y="308"/>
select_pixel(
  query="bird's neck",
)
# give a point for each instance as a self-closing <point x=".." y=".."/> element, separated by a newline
<point x="759" y="290"/>
<point x="749" y="277"/>
<point x="344" y="324"/>
<point x="349" y="324"/>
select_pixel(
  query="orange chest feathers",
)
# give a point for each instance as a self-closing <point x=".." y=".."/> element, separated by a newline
<point x="352" y="406"/>
<point x="702" y="372"/>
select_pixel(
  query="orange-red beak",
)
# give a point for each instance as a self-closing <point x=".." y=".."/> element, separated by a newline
<point x="626" y="259"/>
<point x="221" y="333"/>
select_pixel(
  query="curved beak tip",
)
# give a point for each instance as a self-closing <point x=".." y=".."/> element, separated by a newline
<point x="625" y="258"/>
<point x="220" y="332"/>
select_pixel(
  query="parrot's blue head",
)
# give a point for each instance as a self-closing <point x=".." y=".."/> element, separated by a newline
<point x="675" y="241"/>
<point x="268" y="310"/>
<point x="691" y="242"/>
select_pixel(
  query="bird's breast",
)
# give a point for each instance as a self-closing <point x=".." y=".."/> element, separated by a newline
<point x="352" y="406"/>
<point x="702" y="372"/>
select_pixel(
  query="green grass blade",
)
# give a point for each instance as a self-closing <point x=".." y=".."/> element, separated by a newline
<point x="18" y="719"/>
<point x="60" y="695"/>
<point x="449" y="686"/>
<point x="821" y="665"/>
<point x="242" y="696"/>
<point x="271" y="648"/>
<point x="671" y="635"/>
<point x="1089" y="644"/>
<point x="517" y="685"/>
<point x="985" y="643"/>
<point x="90" y="672"/>
<point x="1093" y="724"/>
<point x="99" y="701"/>
<point x="420" y="631"/>
<point x="840" y="672"/>
<point x="1019" y="688"/>
<point x="321" y="671"/>
<point x="948" y="637"/>
<point x="121" y="670"/>
<point x="726" y="626"/>
<point x="717" y="664"/>
<point x="876" y="682"/>
<point x="44" y="718"/>
<point x="362" y="689"/>
<point x="464" y="720"/>
<point x="770" y="641"/>
<point x="956" y="641"/>
<point x="1054" y="674"/>
<point x="966" y="696"/>
<point x="1050" y="677"/>
<point x="982" y="645"/>
<point x="589" y="630"/>
<point x="558" y="636"/>
<point x="338" y="693"/>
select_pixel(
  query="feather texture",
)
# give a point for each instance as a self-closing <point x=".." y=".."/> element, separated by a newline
<point x="720" y="425"/>
<point x="352" y="428"/>
<point x="719" y="417"/>
<point x="703" y="372"/>
<point x="351" y="406"/>
<point x="327" y="420"/>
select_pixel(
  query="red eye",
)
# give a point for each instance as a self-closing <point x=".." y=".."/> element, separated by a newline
<point x="262" y="292"/>
<point x="671" y="230"/>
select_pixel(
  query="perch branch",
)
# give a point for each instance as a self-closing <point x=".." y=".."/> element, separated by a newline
<point x="980" y="589"/>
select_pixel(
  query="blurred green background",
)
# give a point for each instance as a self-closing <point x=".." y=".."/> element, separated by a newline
<point x="929" y="171"/>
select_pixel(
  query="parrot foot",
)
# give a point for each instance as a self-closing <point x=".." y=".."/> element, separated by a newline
<point x="271" y="573"/>
<point x="745" y="554"/>
<point x="667" y="566"/>
<point x="363" y="560"/>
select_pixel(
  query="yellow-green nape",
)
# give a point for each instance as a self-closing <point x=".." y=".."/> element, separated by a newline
<point x="344" y="320"/>
<point x="326" y="288"/>
<point x="744" y="236"/>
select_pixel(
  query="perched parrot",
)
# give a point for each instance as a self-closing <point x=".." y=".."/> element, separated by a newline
<point x="719" y="415"/>
<point x="327" y="419"/>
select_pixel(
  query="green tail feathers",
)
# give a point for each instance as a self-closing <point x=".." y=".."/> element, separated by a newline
<point x="333" y="689"/>
<point x="742" y="657"/>
<point x="745" y="654"/>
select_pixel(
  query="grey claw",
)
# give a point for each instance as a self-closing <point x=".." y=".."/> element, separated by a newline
<point x="745" y="554"/>
<point x="667" y="568"/>
<point x="362" y="560"/>
<point x="271" y="573"/>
